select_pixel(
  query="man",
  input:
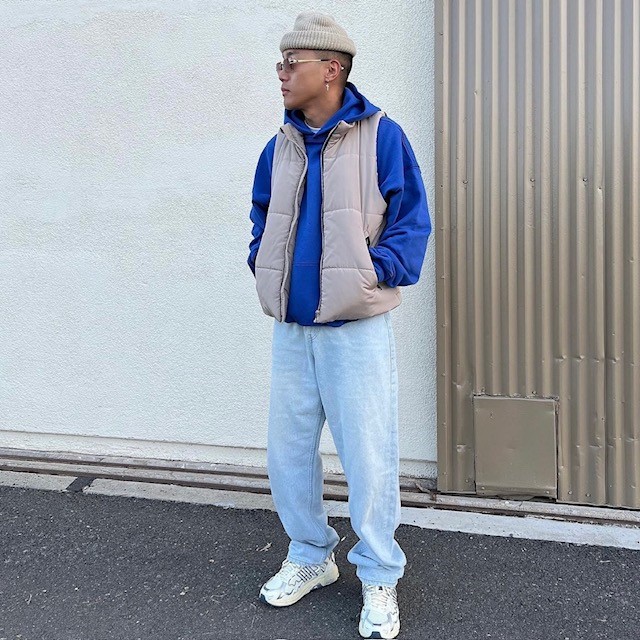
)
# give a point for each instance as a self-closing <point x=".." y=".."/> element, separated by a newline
<point x="340" y="221"/>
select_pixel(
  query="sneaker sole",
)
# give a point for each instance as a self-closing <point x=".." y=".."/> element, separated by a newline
<point x="376" y="634"/>
<point x="327" y="578"/>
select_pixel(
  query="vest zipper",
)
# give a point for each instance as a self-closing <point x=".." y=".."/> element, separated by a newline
<point x="322" y="215"/>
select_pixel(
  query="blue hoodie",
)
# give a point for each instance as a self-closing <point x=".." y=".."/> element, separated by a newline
<point x="399" y="253"/>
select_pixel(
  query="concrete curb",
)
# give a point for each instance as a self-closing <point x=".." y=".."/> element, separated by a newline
<point x="522" y="526"/>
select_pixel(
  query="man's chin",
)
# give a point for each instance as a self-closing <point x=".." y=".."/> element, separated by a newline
<point x="289" y="103"/>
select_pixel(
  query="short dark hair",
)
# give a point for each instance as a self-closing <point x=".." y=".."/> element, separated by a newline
<point x="346" y="60"/>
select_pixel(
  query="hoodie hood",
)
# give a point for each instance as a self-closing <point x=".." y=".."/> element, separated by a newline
<point x="354" y="107"/>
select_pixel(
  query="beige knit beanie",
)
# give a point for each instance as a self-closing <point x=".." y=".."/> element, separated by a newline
<point x="313" y="30"/>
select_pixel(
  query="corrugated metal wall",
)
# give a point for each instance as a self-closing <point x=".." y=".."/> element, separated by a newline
<point x="538" y="231"/>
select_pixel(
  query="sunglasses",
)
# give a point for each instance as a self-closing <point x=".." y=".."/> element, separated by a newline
<point x="288" y="63"/>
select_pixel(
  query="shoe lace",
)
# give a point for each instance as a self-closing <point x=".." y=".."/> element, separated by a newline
<point x="290" y="569"/>
<point x="379" y="596"/>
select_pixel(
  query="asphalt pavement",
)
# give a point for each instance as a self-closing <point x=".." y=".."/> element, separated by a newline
<point x="76" y="566"/>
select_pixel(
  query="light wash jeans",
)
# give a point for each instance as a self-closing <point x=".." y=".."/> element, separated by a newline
<point x="347" y="375"/>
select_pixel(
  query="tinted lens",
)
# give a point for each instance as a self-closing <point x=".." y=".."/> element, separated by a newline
<point x="284" y="65"/>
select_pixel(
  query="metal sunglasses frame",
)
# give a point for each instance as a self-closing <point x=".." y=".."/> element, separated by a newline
<point x="287" y="63"/>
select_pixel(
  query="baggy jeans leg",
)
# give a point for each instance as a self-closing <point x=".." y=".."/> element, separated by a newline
<point x="357" y="378"/>
<point x="294" y="464"/>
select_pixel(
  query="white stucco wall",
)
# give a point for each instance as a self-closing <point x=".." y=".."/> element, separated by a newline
<point x="129" y="132"/>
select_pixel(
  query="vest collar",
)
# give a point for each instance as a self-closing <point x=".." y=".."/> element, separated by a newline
<point x="339" y="130"/>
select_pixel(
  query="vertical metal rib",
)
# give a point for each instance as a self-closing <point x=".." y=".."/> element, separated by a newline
<point x="477" y="184"/>
<point x="463" y="303"/>
<point x="510" y="217"/>
<point x="628" y="287"/>
<point x="530" y="302"/>
<point x="615" y="266"/>
<point x="580" y="362"/>
<point x="588" y="436"/>
<point x="446" y="450"/>
<point x="595" y="204"/>
<point x="495" y="212"/>
<point x="546" y="310"/>
<point x="566" y="462"/>
<point x="632" y="322"/>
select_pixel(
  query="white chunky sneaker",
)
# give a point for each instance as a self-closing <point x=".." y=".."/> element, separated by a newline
<point x="294" y="581"/>
<point x="380" y="616"/>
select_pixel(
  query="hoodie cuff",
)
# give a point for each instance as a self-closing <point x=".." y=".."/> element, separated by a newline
<point x="378" y="268"/>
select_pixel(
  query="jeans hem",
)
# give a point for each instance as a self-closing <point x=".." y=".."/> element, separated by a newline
<point x="384" y="583"/>
<point x="306" y="562"/>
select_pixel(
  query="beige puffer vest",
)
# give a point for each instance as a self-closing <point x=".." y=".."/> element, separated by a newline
<point x="352" y="219"/>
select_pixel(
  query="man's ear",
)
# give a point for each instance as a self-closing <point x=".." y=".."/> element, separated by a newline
<point x="334" y="70"/>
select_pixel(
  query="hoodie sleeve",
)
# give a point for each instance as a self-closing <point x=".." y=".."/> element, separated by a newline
<point x="399" y="253"/>
<point x="261" y="196"/>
